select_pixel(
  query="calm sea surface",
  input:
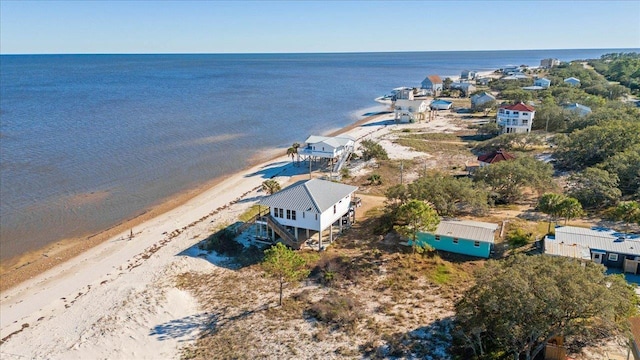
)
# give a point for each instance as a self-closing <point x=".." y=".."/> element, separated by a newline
<point x="87" y="141"/>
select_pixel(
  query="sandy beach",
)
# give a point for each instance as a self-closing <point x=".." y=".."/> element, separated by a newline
<point x="118" y="299"/>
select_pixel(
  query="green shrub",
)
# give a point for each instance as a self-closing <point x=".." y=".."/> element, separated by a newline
<point x="340" y="310"/>
<point x="518" y="238"/>
<point x="223" y="242"/>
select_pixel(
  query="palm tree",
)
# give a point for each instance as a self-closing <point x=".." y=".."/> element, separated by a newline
<point x="628" y="211"/>
<point x="270" y="186"/>
<point x="293" y="150"/>
<point x="549" y="204"/>
<point x="570" y="208"/>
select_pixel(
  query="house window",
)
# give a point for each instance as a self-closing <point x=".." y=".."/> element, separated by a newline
<point x="455" y="240"/>
<point x="275" y="212"/>
<point x="289" y="214"/>
<point x="293" y="214"/>
<point x="525" y="113"/>
<point x="334" y="209"/>
<point x="281" y="213"/>
<point x="613" y="257"/>
<point x="525" y="121"/>
<point x="476" y="243"/>
<point x="437" y="237"/>
<point x="316" y="216"/>
<point x="515" y="113"/>
<point x="303" y="214"/>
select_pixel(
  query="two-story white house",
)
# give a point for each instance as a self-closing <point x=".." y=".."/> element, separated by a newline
<point x="305" y="209"/>
<point x="327" y="147"/>
<point x="516" y="118"/>
<point x="413" y="110"/>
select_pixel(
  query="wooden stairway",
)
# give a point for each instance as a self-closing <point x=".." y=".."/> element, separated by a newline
<point x="287" y="238"/>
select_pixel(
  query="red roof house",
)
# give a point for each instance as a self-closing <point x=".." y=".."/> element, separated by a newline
<point x="494" y="157"/>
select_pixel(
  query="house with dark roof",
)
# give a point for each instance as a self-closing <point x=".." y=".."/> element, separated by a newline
<point x="600" y="245"/>
<point x="465" y="237"/>
<point x="516" y="118"/>
<point x="432" y="84"/>
<point x="305" y="209"/>
<point x="494" y="157"/>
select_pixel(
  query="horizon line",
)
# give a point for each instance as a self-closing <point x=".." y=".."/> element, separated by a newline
<point x="310" y="52"/>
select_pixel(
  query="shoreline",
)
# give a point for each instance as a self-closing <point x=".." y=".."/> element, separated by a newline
<point x="15" y="271"/>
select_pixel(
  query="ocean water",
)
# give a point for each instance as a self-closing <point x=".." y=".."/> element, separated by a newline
<point x="87" y="141"/>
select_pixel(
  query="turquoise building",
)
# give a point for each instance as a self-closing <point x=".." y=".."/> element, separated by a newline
<point x="466" y="237"/>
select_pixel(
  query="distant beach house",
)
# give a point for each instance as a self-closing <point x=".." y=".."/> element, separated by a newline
<point x="516" y="76"/>
<point x="440" y="104"/>
<point x="549" y="63"/>
<point x="305" y="209"/>
<point x="516" y="118"/>
<point x="542" y="82"/>
<point x="327" y="147"/>
<point x="600" y="245"/>
<point x="480" y="99"/>
<point x="432" y="84"/>
<point x="465" y="87"/>
<point x="468" y="75"/>
<point x="483" y="81"/>
<point x="406" y="110"/>
<point x="494" y="157"/>
<point x="510" y="70"/>
<point x="572" y="81"/>
<point x="336" y="149"/>
<point x="465" y="237"/>
<point x="579" y="109"/>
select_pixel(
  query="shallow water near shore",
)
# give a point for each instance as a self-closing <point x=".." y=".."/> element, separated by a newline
<point x="88" y="141"/>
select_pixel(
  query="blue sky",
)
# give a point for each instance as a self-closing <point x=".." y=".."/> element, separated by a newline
<point x="308" y="26"/>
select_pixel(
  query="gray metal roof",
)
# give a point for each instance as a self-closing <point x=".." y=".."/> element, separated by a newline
<point x="467" y="229"/>
<point x="335" y="141"/>
<point x="600" y="239"/>
<point x="576" y="251"/>
<point x="309" y="195"/>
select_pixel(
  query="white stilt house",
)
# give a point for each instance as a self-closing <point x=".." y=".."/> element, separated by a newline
<point x="305" y="209"/>
<point x="334" y="149"/>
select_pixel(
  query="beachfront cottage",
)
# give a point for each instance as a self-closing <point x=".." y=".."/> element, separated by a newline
<point x="440" y="104"/>
<point x="304" y="210"/>
<point x="410" y="111"/>
<point x="600" y="245"/>
<point x="572" y="81"/>
<point x="516" y="118"/>
<point x="465" y="237"/>
<point x="494" y="157"/>
<point x="579" y="109"/>
<point x="465" y="88"/>
<point x="549" y="63"/>
<point x="432" y="85"/>
<point x="468" y="75"/>
<point x="483" y="81"/>
<point x="334" y="150"/>
<point x="542" y="82"/>
<point x="478" y="100"/>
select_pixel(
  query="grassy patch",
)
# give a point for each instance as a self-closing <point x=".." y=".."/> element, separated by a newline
<point x="432" y="147"/>
<point x="250" y="213"/>
<point x="441" y="274"/>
